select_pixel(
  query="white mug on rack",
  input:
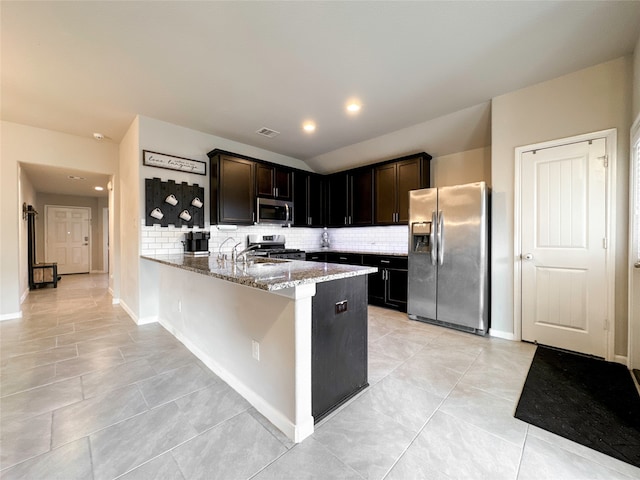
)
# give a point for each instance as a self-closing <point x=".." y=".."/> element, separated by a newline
<point x="196" y="202"/>
<point x="157" y="213"/>
<point x="185" y="215"/>
<point x="171" y="200"/>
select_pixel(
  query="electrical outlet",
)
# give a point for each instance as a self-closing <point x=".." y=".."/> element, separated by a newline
<point x="255" y="349"/>
<point x="341" y="307"/>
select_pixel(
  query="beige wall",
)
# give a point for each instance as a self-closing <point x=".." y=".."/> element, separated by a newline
<point x="26" y="195"/>
<point x="636" y="80"/>
<point x="71" y="201"/>
<point x="460" y="168"/>
<point x="22" y="143"/>
<point x="589" y="100"/>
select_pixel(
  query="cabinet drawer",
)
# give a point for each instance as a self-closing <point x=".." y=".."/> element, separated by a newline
<point x="316" y="257"/>
<point x="346" y="258"/>
<point x="385" y="262"/>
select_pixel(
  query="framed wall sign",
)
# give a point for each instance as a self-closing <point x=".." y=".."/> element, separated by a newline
<point x="160" y="160"/>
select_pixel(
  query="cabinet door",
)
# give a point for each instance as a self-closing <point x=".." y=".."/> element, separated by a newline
<point x="236" y="191"/>
<point x="282" y="181"/>
<point x="409" y="178"/>
<point x="264" y="180"/>
<point x="316" y="257"/>
<point x="315" y="201"/>
<point x="396" y="288"/>
<point x="300" y="196"/>
<point x="362" y="197"/>
<point x="337" y="192"/>
<point x="385" y="194"/>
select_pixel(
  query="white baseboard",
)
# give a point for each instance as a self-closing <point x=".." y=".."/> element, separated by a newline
<point x="97" y="271"/>
<point x="624" y="360"/>
<point x="24" y="296"/>
<point x="126" y="308"/>
<point x="146" y="320"/>
<point x="10" y="316"/>
<point x="505" y="335"/>
<point x="296" y="433"/>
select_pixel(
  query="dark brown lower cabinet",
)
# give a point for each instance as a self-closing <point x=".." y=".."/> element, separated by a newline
<point x="339" y="343"/>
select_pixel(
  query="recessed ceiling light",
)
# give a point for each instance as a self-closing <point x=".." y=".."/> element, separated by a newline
<point x="75" y="177"/>
<point x="98" y="188"/>
<point x="353" y="107"/>
<point x="309" y="127"/>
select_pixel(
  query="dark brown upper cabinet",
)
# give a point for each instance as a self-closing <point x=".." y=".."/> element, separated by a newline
<point x="274" y="182"/>
<point x="308" y="199"/>
<point x="232" y="189"/>
<point x="393" y="181"/>
<point x="350" y="198"/>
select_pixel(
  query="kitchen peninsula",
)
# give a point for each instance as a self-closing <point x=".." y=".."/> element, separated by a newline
<point x="289" y="336"/>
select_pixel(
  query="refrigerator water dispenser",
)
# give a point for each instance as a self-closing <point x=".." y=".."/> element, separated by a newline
<point x="420" y="235"/>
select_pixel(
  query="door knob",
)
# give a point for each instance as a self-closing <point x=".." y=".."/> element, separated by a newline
<point x="527" y="256"/>
<point x="636" y="265"/>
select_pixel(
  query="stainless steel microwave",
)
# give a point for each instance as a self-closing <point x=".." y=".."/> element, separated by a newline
<point x="278" y="212"/>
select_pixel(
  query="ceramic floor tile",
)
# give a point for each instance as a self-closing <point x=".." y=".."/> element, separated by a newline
<point x="27" y="379"/>
<point x="433" y="378"/>
<point x="211" y="456"/>
<point x="454" y="358"/>
<point x="176" y="383"/>
<point x="102" y="343"/>
<point x="308" y="460"/>
<point x="85" y="335"/>
<point x="486" y="411"/>
<point x="542" y="460"/>
<point x="12" y="349"/>
<point x="407" y="404"/>
<point x="398" y="348"/>
<point x="69" y="462"/>
<point x="458" y="450"/>
<point x="100" y="360"/>
<point x="34" y="333"/>
<point x="212" y="405"/>
<point x="103" y="381"/>
<point x="36" y="359"/>
<point x="581" y="450"/>
<point x="496" y="380"/>
<point x="40" y="400"/>
<point x="163" y="467"/>
<point x="380" y="365"/>
<point x="21" y="440"/>
<point x="128" y="444"/>
<point x="271" y="428"/>
<point x="88" y="416"/>
<point x="366" y="441"/>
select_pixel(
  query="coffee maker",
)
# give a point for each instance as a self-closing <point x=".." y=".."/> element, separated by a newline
<point x="196" y="243"/>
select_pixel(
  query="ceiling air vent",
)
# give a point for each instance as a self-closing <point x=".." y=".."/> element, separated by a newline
<point x="267" y="132"/>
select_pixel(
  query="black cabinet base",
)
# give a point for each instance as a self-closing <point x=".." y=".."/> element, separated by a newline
<point x="320" y="416"/>
<point x="339" y="343"/>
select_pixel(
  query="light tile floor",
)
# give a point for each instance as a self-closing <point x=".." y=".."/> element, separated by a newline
<point x="85" y="393"/>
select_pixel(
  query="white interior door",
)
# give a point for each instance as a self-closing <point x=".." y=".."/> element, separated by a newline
<point x="67" y="238"/>
<point x="563" y="236"/>
<point x="634" y="250"/>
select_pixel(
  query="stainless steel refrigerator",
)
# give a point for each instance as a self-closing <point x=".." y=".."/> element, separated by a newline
<point x="449" y="256"/>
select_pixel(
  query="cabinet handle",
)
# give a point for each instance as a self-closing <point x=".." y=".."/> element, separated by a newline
<point x="385" y="261"/>
<point x="345" y="221"/>
<point x="253" y="217"/>
<point x="308" y="220"/>
<point x="342" y="258"/>
<point x="349" y="219"/>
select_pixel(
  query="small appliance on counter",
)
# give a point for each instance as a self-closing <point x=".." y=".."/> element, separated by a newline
<point x="196" y="244"/>
<point x="272" y="246"/>
<point x="325" y="242"/>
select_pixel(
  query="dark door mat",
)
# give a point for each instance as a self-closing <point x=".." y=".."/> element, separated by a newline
<point x="585" y="399"/>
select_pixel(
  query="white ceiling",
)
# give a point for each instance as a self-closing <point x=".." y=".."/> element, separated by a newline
<point x="230" y="68"/>
<point x="46" y="179"/>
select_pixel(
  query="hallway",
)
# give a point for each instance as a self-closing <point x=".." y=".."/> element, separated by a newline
<point x="86" y="394"/>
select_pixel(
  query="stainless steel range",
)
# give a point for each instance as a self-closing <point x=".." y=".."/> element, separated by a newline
<point x="273" y="246"/>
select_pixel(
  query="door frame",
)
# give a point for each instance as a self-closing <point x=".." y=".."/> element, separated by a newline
<point x="46" y="229"/>
<point x="633" y="344"/>
<point x="611" y="138"/>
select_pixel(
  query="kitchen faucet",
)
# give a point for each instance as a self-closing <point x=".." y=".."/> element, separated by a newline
<point x="235" y="256"/>
<point x="220" y="255"/>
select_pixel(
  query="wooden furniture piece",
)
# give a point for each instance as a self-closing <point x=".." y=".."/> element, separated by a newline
<point x="40" y="274"/>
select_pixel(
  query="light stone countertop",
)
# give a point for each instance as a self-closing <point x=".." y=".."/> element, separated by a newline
<point x="265" y="276"/>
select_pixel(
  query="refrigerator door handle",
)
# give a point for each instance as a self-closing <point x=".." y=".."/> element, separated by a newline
<point x="432" y="238"/>
<point x="440" y="238"/>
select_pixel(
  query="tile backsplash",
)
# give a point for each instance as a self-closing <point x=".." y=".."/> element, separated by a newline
<point x="392" y="239"/>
